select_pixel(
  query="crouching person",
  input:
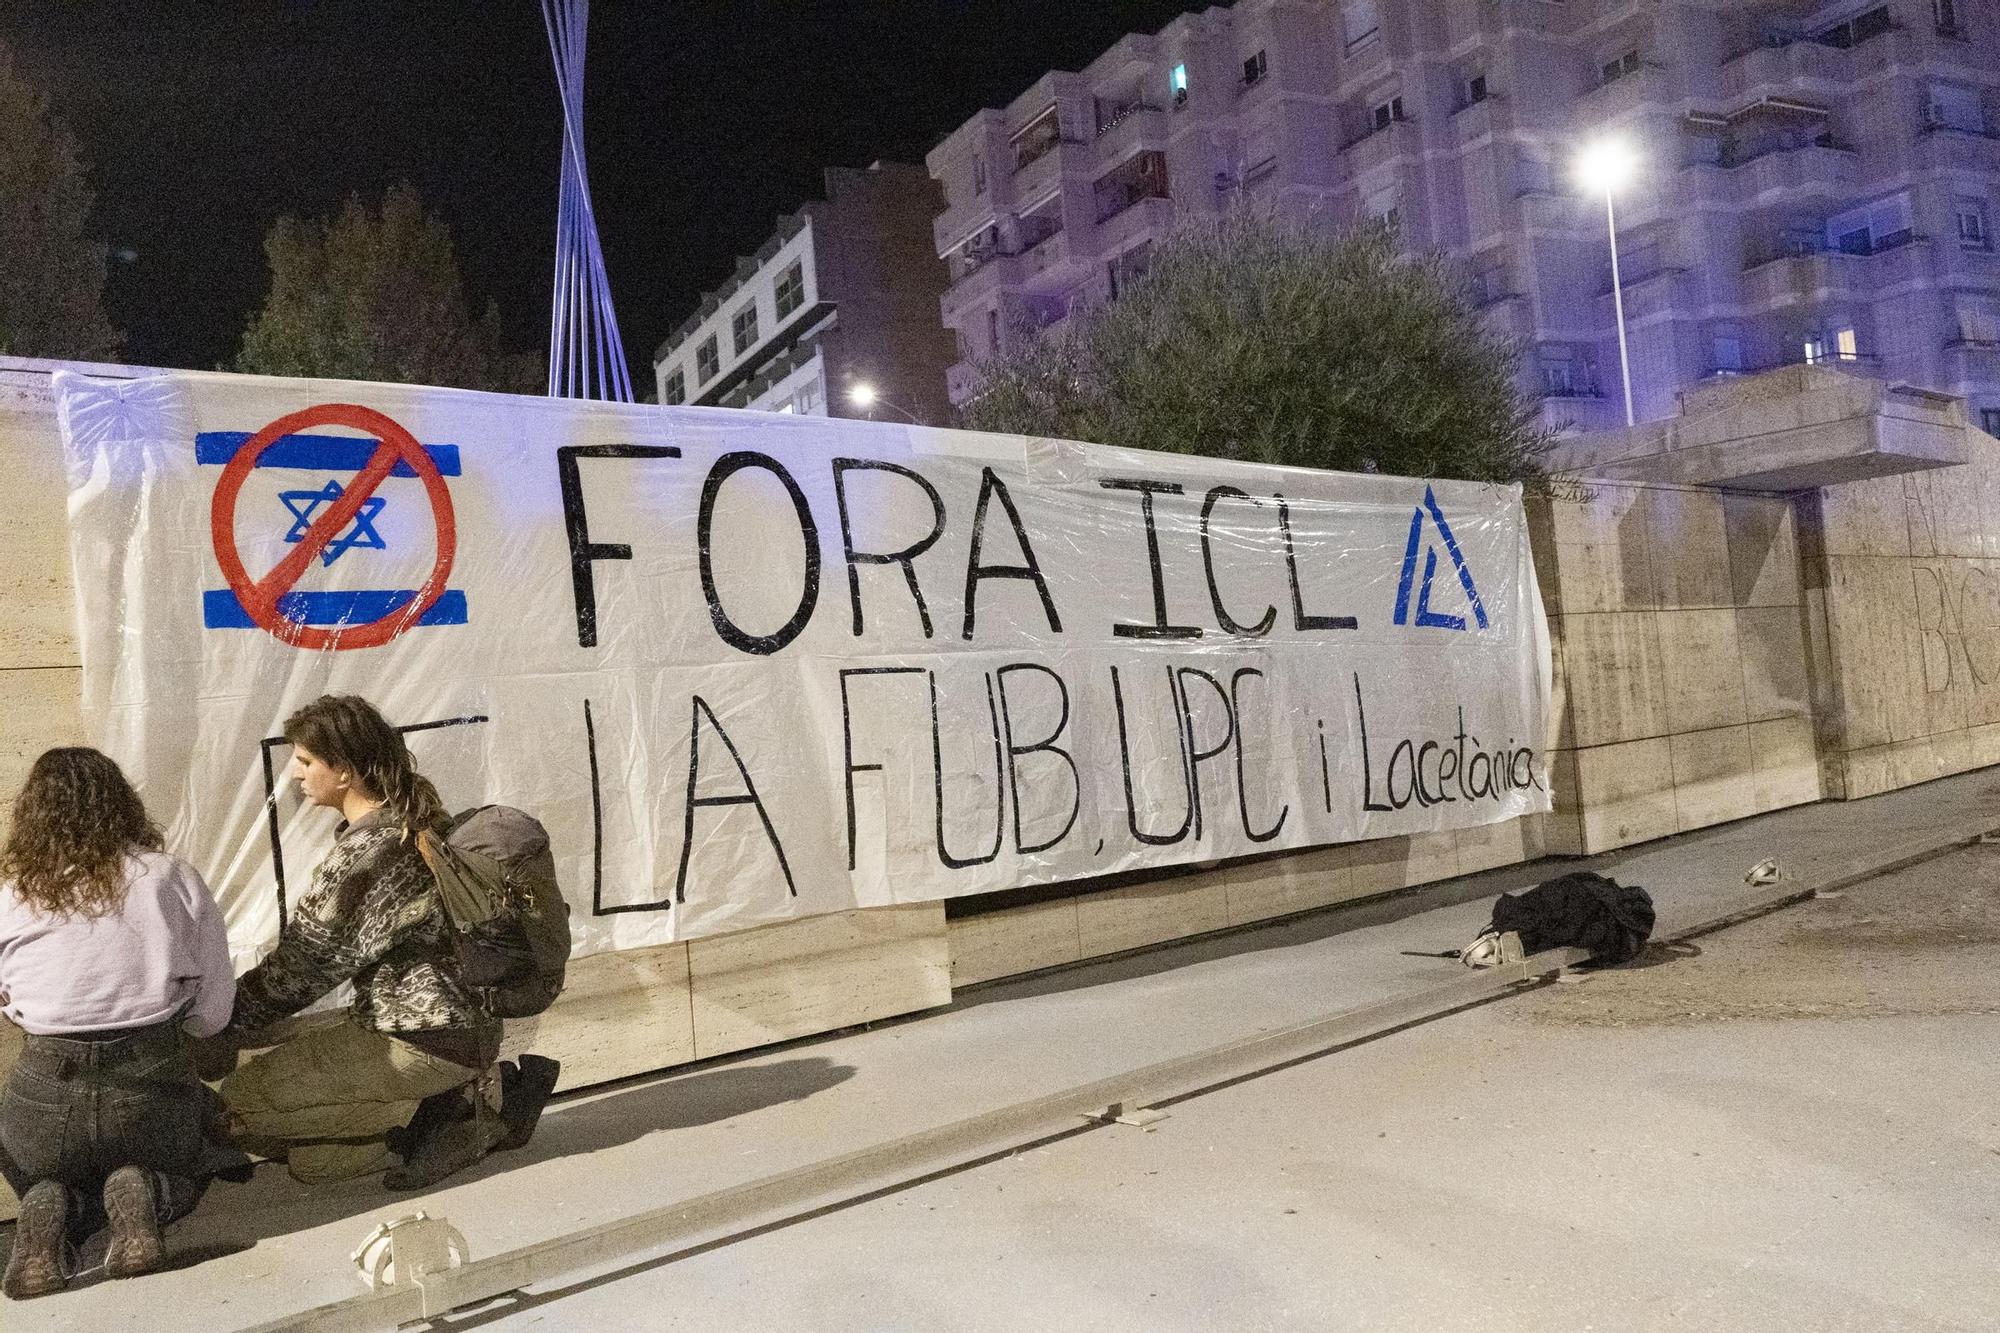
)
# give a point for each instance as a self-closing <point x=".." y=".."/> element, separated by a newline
<point x="332" y="1102"/>
<point x="112" y="954"/>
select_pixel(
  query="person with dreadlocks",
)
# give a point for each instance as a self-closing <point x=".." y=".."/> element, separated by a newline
<point x="336" y="1102"/>
<point x="112" y="954"/>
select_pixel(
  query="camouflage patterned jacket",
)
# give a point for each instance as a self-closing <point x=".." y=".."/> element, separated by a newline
<point x="372" y="917"/>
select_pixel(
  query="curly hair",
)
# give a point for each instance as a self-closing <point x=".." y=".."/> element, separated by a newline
<point x="75" y="821"/>
<point x="346" y="731"/>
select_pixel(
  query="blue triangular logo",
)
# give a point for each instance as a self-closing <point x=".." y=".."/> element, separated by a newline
<point x="1425" y="616"/>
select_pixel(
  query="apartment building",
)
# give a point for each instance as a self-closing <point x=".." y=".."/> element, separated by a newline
<point x="843" y="293"/>
<point x="1817" y="182"/>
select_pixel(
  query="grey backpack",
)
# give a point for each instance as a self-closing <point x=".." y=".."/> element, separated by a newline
<point x="497" y="879"/>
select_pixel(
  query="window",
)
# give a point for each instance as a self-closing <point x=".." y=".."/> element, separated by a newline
<point x="1842" y="345"/>
<point x="1953" y="107"/>
<point x="1620" y="67"/>
<point x="785" y="407"/>
<point x="1726" y="351"/>
<point x="1946" y="13"/>
<point x="1978" y="321"/>
<point x="1254" y="69"/>
<point x="1563" y="375"/>
<point x="979" y="175"/>
<point x="707" y="360"/>
<point x="1387" y="113"/>
<point x="1975" y="225"/>
<point x="743" y="328"/>
<point x="1881" y="225"/>
<point x="676" y="390"/>
<point x="1857" y="29"/>
<point x="1989" y="420"/>
<point x="1177" y="85"/>
<point x="811" y="403"/>
<point x="791" y="293"/>
<point x="1359" y="20"/>
<point x="1475" y="90"/>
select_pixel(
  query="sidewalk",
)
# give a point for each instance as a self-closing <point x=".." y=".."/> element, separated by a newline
<point x="273" y="1248"/>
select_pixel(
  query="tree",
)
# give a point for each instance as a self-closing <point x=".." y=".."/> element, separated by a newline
<point x="376" y="295"/>
<point x="1268" y="341"/>
<point x="51" y="275"/>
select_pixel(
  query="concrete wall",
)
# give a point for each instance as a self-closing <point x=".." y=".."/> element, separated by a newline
<point x="1683" y="697"/>
<point x="1907" y="589"/>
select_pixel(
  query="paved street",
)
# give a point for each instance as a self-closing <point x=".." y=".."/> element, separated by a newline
<point x="1791" y="1124"/>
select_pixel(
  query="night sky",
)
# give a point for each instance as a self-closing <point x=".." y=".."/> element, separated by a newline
<point x="203" y="120"/>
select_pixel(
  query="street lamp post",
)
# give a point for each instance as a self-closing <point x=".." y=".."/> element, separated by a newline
<point x="1607" y="165"/>
<point x="865" y="396"/>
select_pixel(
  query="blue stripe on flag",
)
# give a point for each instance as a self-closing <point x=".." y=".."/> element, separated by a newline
<point x="316" y="453"/>
<point x="220" y="608"/>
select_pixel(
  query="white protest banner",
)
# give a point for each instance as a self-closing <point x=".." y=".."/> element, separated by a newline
<point x="750" y="667"/>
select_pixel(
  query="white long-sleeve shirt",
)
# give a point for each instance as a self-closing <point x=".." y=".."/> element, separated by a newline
<point x="133" y="967"/>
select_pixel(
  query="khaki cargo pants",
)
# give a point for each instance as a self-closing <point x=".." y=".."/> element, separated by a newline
<point x="322" y="1102"/>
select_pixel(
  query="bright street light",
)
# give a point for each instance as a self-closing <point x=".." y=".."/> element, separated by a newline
<point x="867" y="397"/>
<point x="1609" y="165"/>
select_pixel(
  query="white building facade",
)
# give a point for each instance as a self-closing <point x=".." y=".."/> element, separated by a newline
<point x="842" y="293"/>
<point x="1818" y="182"/>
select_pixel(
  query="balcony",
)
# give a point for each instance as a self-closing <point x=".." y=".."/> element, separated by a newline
<point x="1147" y="217"/>
<point x="1135" y="129"/>
<point x="1647" y="86"/>
<point x="1660" y="292"/>
<point x="1820" y="275"/>
<point x="1800" y="66"/>
<point x="1819" y="168"/>
<point x="1380" y="147"/>
<point x="1972" y="360"/>
<point x="1947" y="148"/>
<point x="974" y="280"/>
<point x="1043" y="175"/>
<point x="1482" y="119"/>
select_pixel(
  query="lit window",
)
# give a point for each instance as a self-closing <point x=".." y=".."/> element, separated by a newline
<point x="1846" y="345"/>
<point x="707" y="360"/>
<point x="743" y="328"/>
<point x="1177" y="84"/>
<point x="1254" y="68"/>
<point x="676" y="390"/>
<point x="791" y="292"/>
<point x="1359" y="21"/>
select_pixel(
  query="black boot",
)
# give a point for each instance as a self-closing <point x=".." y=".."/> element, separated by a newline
<point x="523" y="1094"/>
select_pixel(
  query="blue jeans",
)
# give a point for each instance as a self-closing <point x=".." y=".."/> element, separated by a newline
<point x="77" y="1108"/>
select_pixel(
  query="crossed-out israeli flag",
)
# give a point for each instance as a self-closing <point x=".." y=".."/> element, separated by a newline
<point x="221" y="608"/>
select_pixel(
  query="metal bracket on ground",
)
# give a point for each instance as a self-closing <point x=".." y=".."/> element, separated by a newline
<point x="1125" y="1113"/>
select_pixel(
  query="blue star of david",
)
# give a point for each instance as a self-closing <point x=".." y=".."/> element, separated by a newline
<point x="304" y="504"/>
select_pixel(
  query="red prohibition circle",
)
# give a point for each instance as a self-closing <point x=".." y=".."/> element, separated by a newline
<point x="260" y="597"/>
